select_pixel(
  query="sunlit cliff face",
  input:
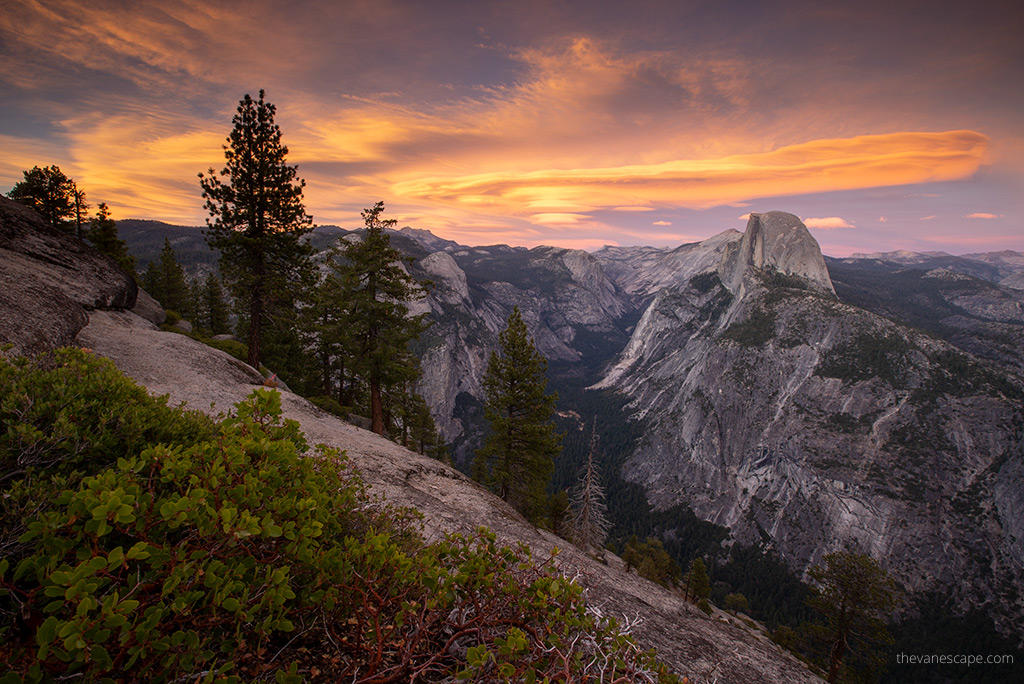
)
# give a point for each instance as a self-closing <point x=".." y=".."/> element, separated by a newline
<point x="546" y="122"/>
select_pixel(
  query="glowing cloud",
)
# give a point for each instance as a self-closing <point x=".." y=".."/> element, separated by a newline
<point x="662" y="223"/>
<point x="827" y="223"/>
<point x="982" y="215"/>
<point x="812" y="167"/>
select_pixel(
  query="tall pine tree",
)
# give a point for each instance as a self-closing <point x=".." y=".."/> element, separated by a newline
<point x="855" y="596"/>
<point x="369" y="287"/>
<point x="257" y="221"/>
<point x="518" y="454"/>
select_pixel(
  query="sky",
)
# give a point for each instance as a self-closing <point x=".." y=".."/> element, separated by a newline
<point x="883" y="125"/>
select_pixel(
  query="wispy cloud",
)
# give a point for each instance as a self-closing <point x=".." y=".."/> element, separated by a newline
<point x="812" y="167"/>
<point x="983" y="215"/>
<point x="827" y="223"/>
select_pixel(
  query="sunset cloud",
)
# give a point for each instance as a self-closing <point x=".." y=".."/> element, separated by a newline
<point x="532" y="122"/>
<point x="813" y="167"/>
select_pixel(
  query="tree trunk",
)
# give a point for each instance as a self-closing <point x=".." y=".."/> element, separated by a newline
<point x="255" y="321"/>
<point x="836" y="657"/>
<point x="376" y="408"/>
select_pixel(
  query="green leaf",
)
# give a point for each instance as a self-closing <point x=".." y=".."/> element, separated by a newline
<point x="47" y="631"/>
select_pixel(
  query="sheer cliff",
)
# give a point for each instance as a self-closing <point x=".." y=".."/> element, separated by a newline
<point x="806" y="424"/>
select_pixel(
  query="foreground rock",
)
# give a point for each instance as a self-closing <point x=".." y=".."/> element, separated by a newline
<point x="206" y="379"/>
<point x="49" y="280"/>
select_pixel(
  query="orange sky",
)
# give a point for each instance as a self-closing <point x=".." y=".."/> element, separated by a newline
<point x="566" y="123"/>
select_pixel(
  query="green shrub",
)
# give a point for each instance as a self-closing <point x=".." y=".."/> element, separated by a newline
<point x="71" y="410"/>
<point x="652" y="561"/>
<point x="245" y="553"/>
<point x="237" y="349"/>
<point x="66" y="415"/>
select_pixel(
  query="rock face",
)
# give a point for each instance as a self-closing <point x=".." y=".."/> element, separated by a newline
<point x="804" y="424"/>
<point x="643" y="271"/>
<point x="779" y="241"/>
<point x="570" y="306"/>
<point x="49" y="281"/>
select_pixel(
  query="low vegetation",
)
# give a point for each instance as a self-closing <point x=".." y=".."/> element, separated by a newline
<point x="868" y="355"/>
<point x="757" y="329"/>
<point x="162" y="547"/>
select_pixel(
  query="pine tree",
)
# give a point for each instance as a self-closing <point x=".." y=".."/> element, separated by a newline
<point x="518" y="454"/>
<point x="324" y="339"/>
<point x="215" y="307"/>
<point x="165" y="281"/>
<point x="257" y="222"/>
<point x="854" y="595"/>
<point x="698" y="586"/>
<point x="589" y="508"/>
<point x="370" y="288"/>
<point x="48" y="191"/>
<point x="80" y="211"/>
<point x="103" y="236"/>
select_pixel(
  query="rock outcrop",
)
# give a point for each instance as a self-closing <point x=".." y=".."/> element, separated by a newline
<point x="49" y="281"/>
<point x="643" y="271"/>
<point x="778" y="241"/>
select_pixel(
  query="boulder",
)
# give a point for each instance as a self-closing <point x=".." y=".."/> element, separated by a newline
<point x="183" y="325"/>
<point x="149" y="308"/>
